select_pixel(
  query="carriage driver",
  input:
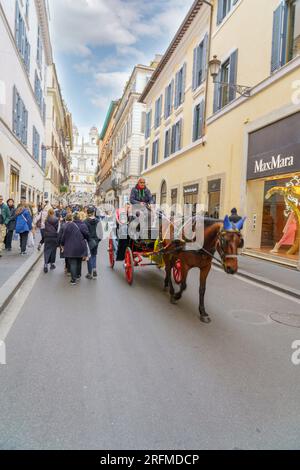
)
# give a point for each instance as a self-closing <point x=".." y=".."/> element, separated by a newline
<point x="140" y="194"/>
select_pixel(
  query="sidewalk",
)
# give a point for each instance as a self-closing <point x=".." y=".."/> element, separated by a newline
<point x="279" y="277"/>
<point x="14" y="268"/>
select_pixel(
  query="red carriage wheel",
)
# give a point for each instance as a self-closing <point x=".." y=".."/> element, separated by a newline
<point x="111" y="253"/>
<point x="129" y="266"/>
<point x="177" y="272"/>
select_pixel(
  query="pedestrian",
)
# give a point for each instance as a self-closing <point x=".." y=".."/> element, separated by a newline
<point x="41" y="221"/>
<point x="51" y="240"/>
<point x="11" y="225"/>
<point x="235" y="218"/>
<point x="68" y="219"/>
<point x="92" y="223"/>
<point x="23" y="224"/>
<point x="4" y="219"/>
<point x="75" y="247"/>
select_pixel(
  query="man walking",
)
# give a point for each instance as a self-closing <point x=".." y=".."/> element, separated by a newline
<point x="4" y="219"/>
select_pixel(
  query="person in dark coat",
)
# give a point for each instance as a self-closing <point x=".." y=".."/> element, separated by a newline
<point x="140" y="194"/>
<point x="51" y="240"/>
<point x="11" y="225"/>
<point x="68" y="219"/>
<point x="74" y="242"/>
<point x="92" y="223"/>
<point x="235" y="218"/>
<point x="23" y="225"/>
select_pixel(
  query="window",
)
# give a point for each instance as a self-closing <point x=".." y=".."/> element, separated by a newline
<point x="176" y="137"/>
<point x="198" y="125"/>
<point x="27" y="9"/>
<point x="20" y="117"/>
<point x="224" y="7"/>
<point x="169" y="93"/>
<point x="158" y="110"/>
<point x="167" y="152"/>
<point x="146" y="158"/>
<point x="22" y="43"/>
<point x="155" y="150"/>
<point x="200" y="63"/>
<point x="44" y="157"/>
<point x="148" y="124"/>
<point x="180" y="86"/>
<point x="286" y="33"/>
<point x="163" y="193"/>
<point x="36" y="145"/>
<point x="225" y="94"/>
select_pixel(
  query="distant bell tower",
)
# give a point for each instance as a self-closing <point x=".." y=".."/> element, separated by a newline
<point x="75" y="135"/>
<point x="93" y="135"/>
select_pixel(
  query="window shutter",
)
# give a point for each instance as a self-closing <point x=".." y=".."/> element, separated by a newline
<point x="183" y="82"/>
<point x="201" y="119"/>
<point x="17" y="25"/>
<point x="180" y="135"/>
<point x="220" y="12"/>
<point x="166" y="102"/>
<point x="195" y="124"/>
<point x="25" y="124"/>
<point x="176" y="90"/>
<point x="277" y="45"/>
<point x="233" y="74"/>
<point x="19" y="115"/>
<point x="217" y="94"/>
<point x="15" y="120"/>
<point x="172" y="95"/>
<point x="173" y="139"/>
<point x="195" y="68"/>
<point x="204" y="57"/>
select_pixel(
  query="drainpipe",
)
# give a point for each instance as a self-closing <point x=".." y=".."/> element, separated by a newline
<point x="209" y="55"/>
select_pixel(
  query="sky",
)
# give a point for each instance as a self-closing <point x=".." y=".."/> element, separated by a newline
<point x="96" y="44"/>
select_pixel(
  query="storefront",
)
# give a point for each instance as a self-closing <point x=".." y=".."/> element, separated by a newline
<point x="214" y="198"/>
<point x="14" y="184"/>
<point x="273" y="189"/>
<point x="191" y="195"/>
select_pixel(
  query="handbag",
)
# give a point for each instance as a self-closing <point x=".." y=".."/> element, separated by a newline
<point x="30" y="241"/>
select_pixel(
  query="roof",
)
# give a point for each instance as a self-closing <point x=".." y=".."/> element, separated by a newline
<point x="173" y="46"/>
<point x="110" y="111"/>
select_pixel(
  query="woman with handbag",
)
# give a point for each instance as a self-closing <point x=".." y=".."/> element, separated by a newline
<point x="74" y="245"/>
<point x="23" y="225"/>
<point x="92" y="222"/>
<point x="50" y="240"/>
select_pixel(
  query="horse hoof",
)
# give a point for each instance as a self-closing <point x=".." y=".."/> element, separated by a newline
<point x="205" y="319"/>
<point x="177" y="297"/>
<point x="173" y="301"/>
<point x="166" y="289"/>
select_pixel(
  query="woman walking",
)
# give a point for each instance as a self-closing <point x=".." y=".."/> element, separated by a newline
<point x="23" y="225"/>
<point x="92" y="222"/>
<point x="11" y="224"/>
<point x="74" y="243"/>
<point x="50" y="240"/>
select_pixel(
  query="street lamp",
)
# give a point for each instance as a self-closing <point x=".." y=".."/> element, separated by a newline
<point x="215" y="67"/>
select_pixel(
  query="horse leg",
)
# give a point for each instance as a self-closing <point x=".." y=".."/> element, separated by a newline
<point x="183" y="285"/>
<point x="204" y="317"/>
<point x="168" y="272"/>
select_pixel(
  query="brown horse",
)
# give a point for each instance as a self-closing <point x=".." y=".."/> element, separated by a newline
<point x="223" y="237"/>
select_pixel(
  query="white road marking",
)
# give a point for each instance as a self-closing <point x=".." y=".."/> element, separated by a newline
<point x="11" y="312"/>
<point x="268" y="289"/>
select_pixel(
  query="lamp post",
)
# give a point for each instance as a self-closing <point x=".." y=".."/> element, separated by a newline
<point x="215" y="68"/>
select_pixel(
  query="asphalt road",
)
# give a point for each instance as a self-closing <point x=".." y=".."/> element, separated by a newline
<point x="108" y="366"/>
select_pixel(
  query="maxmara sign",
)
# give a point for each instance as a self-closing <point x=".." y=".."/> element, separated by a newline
<point x="275" y="149"/>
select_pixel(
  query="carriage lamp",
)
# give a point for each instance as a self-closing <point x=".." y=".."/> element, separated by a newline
<point x="215" y="68"/>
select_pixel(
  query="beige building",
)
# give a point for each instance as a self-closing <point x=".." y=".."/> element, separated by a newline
<point x="59" y="138"/>
<point x="105" y="192"/>
<point x="220" y="144"/>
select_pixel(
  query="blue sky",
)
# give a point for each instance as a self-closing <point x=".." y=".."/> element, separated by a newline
<point x="97" y="43"/>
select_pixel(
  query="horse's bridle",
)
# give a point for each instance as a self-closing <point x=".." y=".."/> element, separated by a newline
<point x="222" y="242"/>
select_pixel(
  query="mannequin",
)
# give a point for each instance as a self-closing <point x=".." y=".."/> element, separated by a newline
<point x="289" y="233"/>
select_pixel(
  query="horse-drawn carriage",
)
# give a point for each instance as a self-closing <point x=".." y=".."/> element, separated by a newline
<point x="163" y="250"/>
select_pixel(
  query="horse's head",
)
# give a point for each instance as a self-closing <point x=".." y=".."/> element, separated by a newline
<point x="230" y="239"/>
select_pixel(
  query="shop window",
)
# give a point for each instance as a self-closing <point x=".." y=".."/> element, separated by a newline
<point x="163" y="193"/>
<point x="191" y="196"/>
<point x="214" y="198"/>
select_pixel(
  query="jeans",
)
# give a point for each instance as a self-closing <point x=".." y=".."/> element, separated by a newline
<point x="8" y="239"/>
<point x="23" y="241"/>
<point x="75" y="265"/>
<point x="2" y="236"/>
<point x="92" y="264"/>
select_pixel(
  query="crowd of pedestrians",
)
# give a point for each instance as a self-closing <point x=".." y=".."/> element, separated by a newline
<point x="75" y="231"/>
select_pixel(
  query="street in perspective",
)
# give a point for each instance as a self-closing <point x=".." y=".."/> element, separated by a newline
<point x="149" y="228"/>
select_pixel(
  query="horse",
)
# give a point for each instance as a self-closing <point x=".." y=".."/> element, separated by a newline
<point x="221" y="236"/>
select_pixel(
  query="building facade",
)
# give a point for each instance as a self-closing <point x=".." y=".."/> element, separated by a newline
<point x="26" y="52"/>
<point x="59" y="140"/>
<point x="220" y="144"/>
<point x="105" y="192"/>
<point x="84" y="160"/>
<point x="128" y="134"/>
